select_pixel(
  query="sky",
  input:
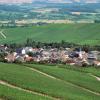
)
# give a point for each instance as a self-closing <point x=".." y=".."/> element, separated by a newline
<point x="68" y="1"/>
<point x="87" y="1"/>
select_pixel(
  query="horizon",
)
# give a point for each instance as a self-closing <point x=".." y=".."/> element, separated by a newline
<point x="49" y="1"/>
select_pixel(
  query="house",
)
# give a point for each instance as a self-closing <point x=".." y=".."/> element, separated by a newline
<point x="20" y="59"/>
<point x="26" y="50"/>
<point x="81" y="62"/>
<point x="19" y="50"/>
<point x="91" y="58"/>
<point x="28" y="59"/>
<point x="96" y="54"/>
<point x="10" y="57"/>
<point x="70" y="61"/>
<point x="45" y="55"/>
<point x="3" y="49"/>
<point x="97" y="63"/>
<point x="63" y="55"/>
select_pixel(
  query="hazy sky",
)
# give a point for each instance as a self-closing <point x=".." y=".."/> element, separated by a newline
<point x="72" y="0"/>
<point x="88" y="1"/>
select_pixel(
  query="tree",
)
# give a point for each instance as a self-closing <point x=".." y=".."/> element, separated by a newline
<point x="30" y="54"/>
<point x="29" y="42"/>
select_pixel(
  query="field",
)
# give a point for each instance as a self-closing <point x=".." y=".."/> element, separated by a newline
<point x="7" y="93"/>
<point x="51" y="11"/>
<point x="44" y="82"/>
<point x="75" y="33"/>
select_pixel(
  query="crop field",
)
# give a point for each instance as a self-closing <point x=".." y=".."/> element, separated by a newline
<point x="75" y="33"/>
<point x="42" y="82"/>
<point x="75" y="77"/>
<point x="7" y="93"/>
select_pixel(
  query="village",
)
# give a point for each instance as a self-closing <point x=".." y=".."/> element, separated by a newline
<point x="51" y="56"/>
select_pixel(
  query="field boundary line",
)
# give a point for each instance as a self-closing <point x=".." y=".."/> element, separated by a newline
<point x="26" y="90"/>
<point x="97" y="78"/>
<point x="90" y="73"/>
<point x="3" y="35"/>
<point x="67" y="82"/>
<point x="45" y="74"/>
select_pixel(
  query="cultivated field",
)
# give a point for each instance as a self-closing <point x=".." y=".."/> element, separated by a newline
<point x="76" y="33"/>
<point x="44" y="82"/>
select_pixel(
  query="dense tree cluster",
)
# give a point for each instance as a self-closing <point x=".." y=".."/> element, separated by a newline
<point x="63" y="44"/>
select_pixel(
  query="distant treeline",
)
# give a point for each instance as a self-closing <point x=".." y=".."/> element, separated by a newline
<point x="63" y="44"/>
<point x="12" y="8"/>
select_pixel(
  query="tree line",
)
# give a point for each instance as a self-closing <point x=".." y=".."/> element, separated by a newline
<point x="63" y="44"/>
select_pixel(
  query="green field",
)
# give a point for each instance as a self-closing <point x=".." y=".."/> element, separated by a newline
<point x="7" y="93"/>
<point x="75" y="77"/>
<point x="52" y="81"/>
<point x="76" y="33"/>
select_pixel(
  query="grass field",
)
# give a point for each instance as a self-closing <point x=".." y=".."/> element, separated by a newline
<point x="7" y="93"/>
<point x="54" y="82"/>
<point x="76" y="33"/>
<point x="75" y="77"/>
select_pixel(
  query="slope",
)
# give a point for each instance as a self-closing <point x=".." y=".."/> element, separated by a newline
<point x="23" y="77"/>
<point x="76" y="33"/>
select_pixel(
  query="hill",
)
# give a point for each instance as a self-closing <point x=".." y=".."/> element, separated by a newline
<point x="25" y="82"/>
<point x="76" y="33"/>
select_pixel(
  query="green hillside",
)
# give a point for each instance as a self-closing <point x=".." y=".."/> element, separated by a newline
<point x="7" y="93"/>
<point x="22" y="82"/>
<point x="77" y="33"/>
